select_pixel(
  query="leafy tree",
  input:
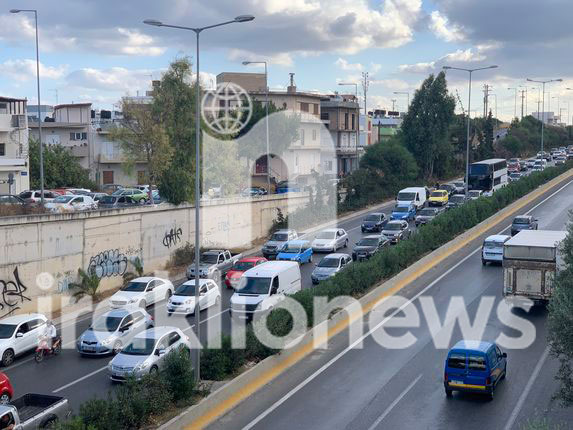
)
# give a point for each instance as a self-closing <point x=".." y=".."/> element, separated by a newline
<point x="391" y="161"/>
<point x="426" y="125"/>
<point x="486" y="141"/>
<point x="88" y="285"/>
<point x="61" y="168"/>
<point x="221" y="166"/>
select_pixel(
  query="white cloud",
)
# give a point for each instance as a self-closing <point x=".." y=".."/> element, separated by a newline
<point x="423" y="68"/>
<point x="464" y="56"/>
<point x="118" y="79"/>
<point x="343" y="64"/>
<point x="23" y="70"/>
<point x="391" y="84"/>
<point x="441" y="27"/>
<point x="375" y="68"/>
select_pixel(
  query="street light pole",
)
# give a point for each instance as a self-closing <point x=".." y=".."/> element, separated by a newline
<point x="543" y="105"/>
<point x="245" y="63"/>
<point x="35" y="12"/>
<point x="197" y="31"/>
<point x="470" y="71"/>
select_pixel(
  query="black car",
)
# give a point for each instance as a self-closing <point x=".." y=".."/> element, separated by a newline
<point x="113" y="202"/>
<point x="10" y="199"/>
<point x="523" y="222"/>
<point x="374" y="222"/>
<point x="456" y="200"/>
<point x="368" y="246"/>
<point x="397" y="230"/>
<point x="426" y="215"/>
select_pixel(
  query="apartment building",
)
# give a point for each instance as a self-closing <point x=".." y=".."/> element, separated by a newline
<point x="14" y="161"/>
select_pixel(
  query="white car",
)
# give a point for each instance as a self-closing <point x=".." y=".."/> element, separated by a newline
<point x="142" y="292"/>
<point x="146" y="353"/>
<point x="36" y="196"/>
<point x="329" y="240"/>
<point x="19" y="334"/>
<point x="71" y="203"/>
<point x="183" y="299"/>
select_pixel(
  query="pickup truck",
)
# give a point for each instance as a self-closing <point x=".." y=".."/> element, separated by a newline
<point x="213" y="264"/>
<point x="34" y="412"/>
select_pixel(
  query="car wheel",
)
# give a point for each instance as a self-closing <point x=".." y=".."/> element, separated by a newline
<point x="7" y="358"/>
<point x="449" y="393"/>
<point x="362" y="230"/>
<point x="168" y="294"/>
<point x="346" y="243"/>
<point x="117" y="347"/>
<point x="4" y="398"/>
<point x="153" y="370"/>
<point x="141" y="201"/>
<point x="483" y="262"/>
<point x="143" y="304"/>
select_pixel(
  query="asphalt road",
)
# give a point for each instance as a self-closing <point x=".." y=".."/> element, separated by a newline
<point x="82" y="378"/>
<point x="374" y="387"/>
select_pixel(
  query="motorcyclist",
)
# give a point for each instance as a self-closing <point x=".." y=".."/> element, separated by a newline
<point x="50" y="334"/>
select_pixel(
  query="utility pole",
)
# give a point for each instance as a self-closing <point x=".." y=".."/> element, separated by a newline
<point x="393" y="104"/>
<point x="523" y="95"/>
<point x="365" y="83"/>
<point x="486" y="93"/>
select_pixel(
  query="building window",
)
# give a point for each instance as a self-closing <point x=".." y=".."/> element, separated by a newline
<point x="84" y="136"/>
<point x="328" y="165"/>
<point x="303" y="107"/>
<point x="108" y="177"/>
<point x="352" y="121"/>
<point x="315" y="106"/>
<point x="78" y="136"/>
<point x="313" y="134"/>
<point x="2" y="149"/>
<point x="302" y="137"/>
<point x="324" y="116"/>
<point x="346" y="121"/>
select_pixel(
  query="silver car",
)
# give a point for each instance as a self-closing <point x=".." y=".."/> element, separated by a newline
<point x="146" y="353"/>
<point x="329" y="266"/>
<point x="112" y="331"/>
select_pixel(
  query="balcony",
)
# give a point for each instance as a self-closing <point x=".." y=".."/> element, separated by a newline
<point x="5" y="122"/>
<point x="346" y="149"/>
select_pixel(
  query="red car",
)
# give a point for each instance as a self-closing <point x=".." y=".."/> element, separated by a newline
<point x="232" y="277"/>
<point x="6" y="390"/>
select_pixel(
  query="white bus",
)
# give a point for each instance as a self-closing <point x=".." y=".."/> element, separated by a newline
<point x="488" y="175"/>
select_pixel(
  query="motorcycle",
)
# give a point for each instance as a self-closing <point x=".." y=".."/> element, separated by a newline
<point x="43" y="349"/>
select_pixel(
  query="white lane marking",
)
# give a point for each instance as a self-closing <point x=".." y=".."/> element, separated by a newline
<point x="206" y="319"/>
<point x="83" y="378"/>
<point x="526" y="391"/>
<point x="394" y="403"/>
<point x="309" y="379"/>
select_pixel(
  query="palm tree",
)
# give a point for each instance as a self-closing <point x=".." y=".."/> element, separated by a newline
<point x="87" y="286"/>
<point x="137" y="266"/>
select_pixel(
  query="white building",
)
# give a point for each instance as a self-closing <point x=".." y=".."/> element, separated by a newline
<point x="14" y="162"/>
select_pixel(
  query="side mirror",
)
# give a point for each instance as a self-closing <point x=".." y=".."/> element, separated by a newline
<point x="504" y="355"/>
<point x="19" y="334"/>
<point x="159" y="352"/>
<point x="274" y="290"/>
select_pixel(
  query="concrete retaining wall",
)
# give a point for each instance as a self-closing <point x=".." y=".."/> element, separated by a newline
<point x="56" y="246"/>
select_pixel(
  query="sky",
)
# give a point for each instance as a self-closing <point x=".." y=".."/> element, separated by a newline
<point x="99" y="51"/>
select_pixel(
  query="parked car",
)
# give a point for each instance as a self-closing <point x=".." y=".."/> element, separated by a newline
<point x="287" y="187"/>
<point x="71" y="204"/>
<point x="114" y="202"/>
<point x="11" y="199"/>
<point x="19" y="334"/>
<point x="34" y="411"/>
<point x="492" y="248"/>
<point x="397" y="230"/>
<point x="459" y="187"/>
<point x="426" y="215"/>
<point x="405" y="212"/>
<point x="276" y="242"/>
<point x="368" y="246"/>
<point x="111" y="188"/>
<point x="110" y="332"/>
<point x="523" y="222"/>
<point x="144" y="188"/>
<point x="35" y="196"/>
<point x="330" y="240"/>
<point x="296" y="250"/>
<point x="142" y="292"/>
<point x="134" y="193"/>
<point x="438" y="198"/>
<point x="474" y="366"/>
<point x="6" y="389"/>
<point x="253" y="192"/>
<point x="456" y="200"/>
<point x="183" y="299"/>
<point x="156" y="197"/>
<point x="514" y="176"/>
<point x="97" y="196"/>
<point x="213" y="264"/>
<point x="215" y="192"/>
<point x="79" y="191"/>
<point x="241" y="266"/>
<point x="329" y="266"/>
<point x="374" y="222"/>
<point x="475" y="194"/>
<point x="146" y="353"/>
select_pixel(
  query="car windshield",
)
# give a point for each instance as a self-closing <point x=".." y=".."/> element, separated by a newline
<point x="249" y="285"/>
<point x="400" y="209"/>
<point x="209" y="258"/>
<point x="292" y="248"/>
<point x="135" y="287"/>
<point x="474" y="193"/>
<point x="406" y="196"/>
<point x="139" y="346"/>
<point x="372" y="218"/>
<point x="185" y="290"/>
<point x="438" y="194"/>
<point x="279" y="237"/>
<point x="326" y="235"/>
<point x="367" y="242"/>
<point x="392" y="226"/>
<point x="491" y="244"/>
<point x="107" y="324"/>
<point x="515" y="175"/>
<point x="6" y="331"/>
<point x="427" y="212"/>
<point x="63" y="199"/>
<point x="521" y="220"/>
<point x="243" y="265"/>
<point x="328" y="262"/>
<point x="26" y="195"/>
<point x="457" y="199"/>
<point x="107" y="200"/>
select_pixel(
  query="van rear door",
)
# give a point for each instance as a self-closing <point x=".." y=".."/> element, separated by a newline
<point x="456" y="368"/>
<point x="478" y="371"/>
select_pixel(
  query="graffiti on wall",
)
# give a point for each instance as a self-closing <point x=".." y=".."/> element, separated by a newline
<point x="172" y="237"/>
<point x="12" y="294"/>
<point x="108" y="263"/>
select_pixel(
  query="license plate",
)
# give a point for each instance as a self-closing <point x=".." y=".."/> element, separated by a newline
<point x="456" y="382"/>
<point x="89" y="349"/>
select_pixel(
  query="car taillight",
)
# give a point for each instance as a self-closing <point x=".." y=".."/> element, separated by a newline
<point x="487" y="381"/>
<point x="188" y="338"/>
<point x="446" y="377"/>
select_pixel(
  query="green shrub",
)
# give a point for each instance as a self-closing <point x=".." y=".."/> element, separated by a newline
<point x="218" y="363"/>
<point x="178" y="375"/>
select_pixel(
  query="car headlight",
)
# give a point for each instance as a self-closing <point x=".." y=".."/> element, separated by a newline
<point x="188" y="302"/>
<point x="132" y="301"/>
<point x="141" y="366"/>
<point x="106" y="342"/>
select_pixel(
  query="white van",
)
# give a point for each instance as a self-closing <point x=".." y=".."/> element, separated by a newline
<point x="263" y="286"/>
<point x="492" y="248"/>
<point x="414" y="195"/>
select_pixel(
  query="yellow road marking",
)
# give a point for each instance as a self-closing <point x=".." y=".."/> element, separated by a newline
<point x="250" y="388"/>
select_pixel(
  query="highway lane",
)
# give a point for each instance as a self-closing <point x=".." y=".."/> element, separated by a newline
<point x="82" y="378"/>
<point x="376" y="387"/>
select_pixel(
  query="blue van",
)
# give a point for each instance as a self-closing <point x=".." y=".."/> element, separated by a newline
<point x="475" y="367"/>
